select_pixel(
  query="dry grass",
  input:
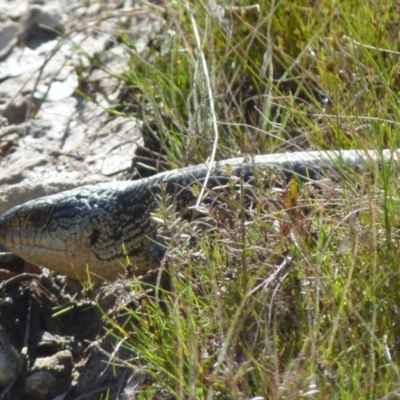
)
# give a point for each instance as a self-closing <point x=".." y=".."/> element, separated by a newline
<point x="297" y="296"/>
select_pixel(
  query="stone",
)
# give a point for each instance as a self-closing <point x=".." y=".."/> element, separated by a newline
<point x="10" y="361"/>
<point x="59" y="364"/>
<point x="16" y="111"/>
<point x="8" y="37"/>
<point x="41" y="23"/>
<point x="40" y="385"/>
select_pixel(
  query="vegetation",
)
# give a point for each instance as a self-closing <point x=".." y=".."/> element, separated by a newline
<point x="299" y="295"/>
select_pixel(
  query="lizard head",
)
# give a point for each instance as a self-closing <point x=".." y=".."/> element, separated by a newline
<point x="55" y="232"/>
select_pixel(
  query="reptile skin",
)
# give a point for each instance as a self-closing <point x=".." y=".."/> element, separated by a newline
<point x="100" y="225"/>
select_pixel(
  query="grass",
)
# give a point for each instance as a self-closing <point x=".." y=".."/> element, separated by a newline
<point x="299" y="297"/>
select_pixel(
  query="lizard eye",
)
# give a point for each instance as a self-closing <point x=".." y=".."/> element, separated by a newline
<point x="37" y="217"/>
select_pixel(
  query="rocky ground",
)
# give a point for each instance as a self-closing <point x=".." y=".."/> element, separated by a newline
<point x="56" y="132"/>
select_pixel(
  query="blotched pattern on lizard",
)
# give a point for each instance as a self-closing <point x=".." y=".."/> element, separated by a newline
<point x="94" y="225"/>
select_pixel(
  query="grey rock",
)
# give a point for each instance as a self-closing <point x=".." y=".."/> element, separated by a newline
<point x="18" y="165"/>
<point x="41" y="23"/>
<point x="40" y="385"/>
<point x="8" y="37"/>
<point x="11" y="138"/>
<point x="33" y="128"/>
<point x="16" y="110"/>
<point x="59" y="364"/>
<point x="10" y="361"/>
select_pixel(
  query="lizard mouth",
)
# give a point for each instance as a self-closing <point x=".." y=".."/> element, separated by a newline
<point x="37" y="253"/>
<point x="28" y="243"/>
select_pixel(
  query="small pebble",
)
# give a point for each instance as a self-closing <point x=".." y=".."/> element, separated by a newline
<point x="40" y="385"/>
<point x="10" y="361"/>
